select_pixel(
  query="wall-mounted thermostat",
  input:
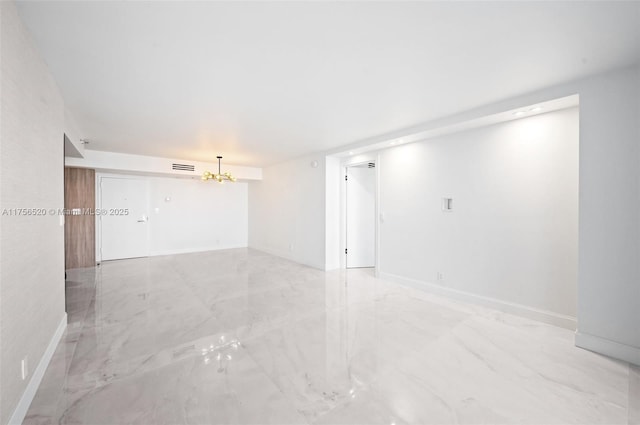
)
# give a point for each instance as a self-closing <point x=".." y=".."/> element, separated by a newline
<point x="447" y="204"/>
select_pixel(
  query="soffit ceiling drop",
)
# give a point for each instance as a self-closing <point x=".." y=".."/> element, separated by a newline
<point x="262" y="82"/>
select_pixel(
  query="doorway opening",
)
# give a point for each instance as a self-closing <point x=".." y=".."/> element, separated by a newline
<point x="360" y="215"/>
<point x="123" y="227"/>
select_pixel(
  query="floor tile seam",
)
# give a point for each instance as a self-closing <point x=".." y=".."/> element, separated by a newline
<point x="429" y="388"/>
<point x="59" y="389"/>
<point x="84" y="317"/>
<point x="125" y="377"/>
<point x="369" y="387"/>
<point x="515" y="357"/>
<point x="289" y="399"/>
<point x="258" y="292"/>
<point x="449" y="335"/>
<point x="439" y="299"/>
<point x="472" y="322"/>
<point x="195" y="354"/>
<point x="290" y="402"/>
<point x="279" y="325"/>
<point x="127" y="322"/>
<point x="62" y="389"/>
<point x="76" y="342"/>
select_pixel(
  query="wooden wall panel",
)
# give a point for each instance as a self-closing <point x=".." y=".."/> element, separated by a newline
<point x="79" y="229"/>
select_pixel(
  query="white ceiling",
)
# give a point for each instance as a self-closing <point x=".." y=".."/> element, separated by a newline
<point x="524" y="111"/>
<point x="261" y="82"/>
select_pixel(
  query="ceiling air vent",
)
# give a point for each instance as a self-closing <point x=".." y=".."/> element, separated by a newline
<point x="183" y="167"/>
<point x="371" y="165"/>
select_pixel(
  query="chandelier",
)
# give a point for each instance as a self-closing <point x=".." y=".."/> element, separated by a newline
<point x="220" y="177"/>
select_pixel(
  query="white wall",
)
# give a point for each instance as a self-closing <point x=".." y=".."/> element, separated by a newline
<point x="513" y="231"/>
<point x="31" y="247"/>
<point x="609" y="206"/>
<point x="73" y="133"/>
<point x="287" y="211"/>
<point x="609" y="274"/>
<point x="334" y="177"/>
<point x="200" y="216"/>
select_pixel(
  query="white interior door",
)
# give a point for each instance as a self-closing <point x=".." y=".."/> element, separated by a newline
<point x="124" y="218"/>
<point x="361" y="214"/>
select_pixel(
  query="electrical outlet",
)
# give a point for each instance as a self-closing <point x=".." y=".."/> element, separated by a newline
<point x="439" y="276"/>
<point x="25" y="368"/>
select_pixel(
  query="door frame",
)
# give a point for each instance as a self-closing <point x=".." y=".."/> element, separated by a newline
<point x="349" y="162"/>
<point x="72" y="173"/>
<point x="99" y="177"/>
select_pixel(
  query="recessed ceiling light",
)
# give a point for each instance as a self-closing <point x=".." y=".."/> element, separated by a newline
<point x="392" y="143"/>
<point x="535" y="109"/>
<point x="350" y="153"/>
<point x="518" y="113"/>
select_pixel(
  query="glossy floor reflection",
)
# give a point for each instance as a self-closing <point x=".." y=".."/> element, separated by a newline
<point x="239" y="336"/>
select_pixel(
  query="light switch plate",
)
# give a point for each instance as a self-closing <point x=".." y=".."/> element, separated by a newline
<point x="25" y="368"/>
<point x="447" y="204"/>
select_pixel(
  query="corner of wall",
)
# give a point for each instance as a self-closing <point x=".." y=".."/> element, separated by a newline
<point x="73" y="135"/>
<point x="32" y="134"/>
<point x="32" y="387"/>
<point x="288" y="209"/>
<point x="608" y="348"/>
<point x="332" y="213"/>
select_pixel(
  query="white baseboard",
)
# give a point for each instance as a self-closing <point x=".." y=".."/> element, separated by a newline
<point x="32" y="387"/>
<point x="608" y="348"/>
<point x="550" y="317"/>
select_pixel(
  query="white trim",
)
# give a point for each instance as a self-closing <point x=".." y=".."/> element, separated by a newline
<point x="343" y="216"/>
<point x="29" y="393"/>
<point x="344" y="164"/>
<point x="113" y="162"/>
<point x="352" y="162"/>
<point x="556" y="319"/>
<point x="100" y="177"/>
<point x="608" y="348"/>
<point x="376" y="270"/>
<point x="98" y="224"/>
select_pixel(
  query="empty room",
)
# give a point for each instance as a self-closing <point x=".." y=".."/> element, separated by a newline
<point x="319" y="212"/>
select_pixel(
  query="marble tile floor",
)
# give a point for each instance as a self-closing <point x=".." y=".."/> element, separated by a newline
<point x="243" y="337"/>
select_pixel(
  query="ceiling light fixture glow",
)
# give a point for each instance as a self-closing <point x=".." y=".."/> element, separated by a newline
<point x="220" y="177"/>
<point x="535" y="109"/>
<point x="518" y="113"/>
